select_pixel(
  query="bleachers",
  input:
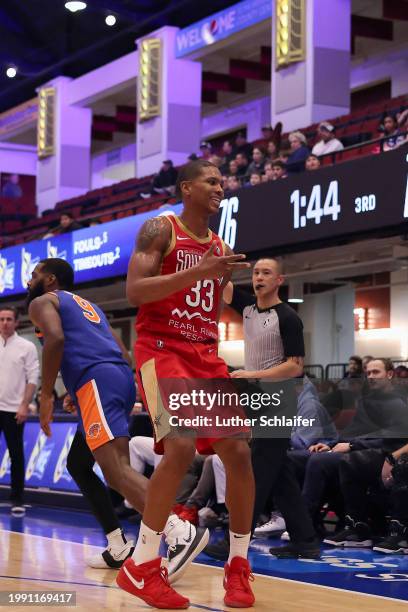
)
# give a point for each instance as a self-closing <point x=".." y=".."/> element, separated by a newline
<point x="18" y="216"/>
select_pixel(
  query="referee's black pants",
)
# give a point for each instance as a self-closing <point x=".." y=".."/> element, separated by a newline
<point x="275" y="475"/>
<point x="13" y="433"/>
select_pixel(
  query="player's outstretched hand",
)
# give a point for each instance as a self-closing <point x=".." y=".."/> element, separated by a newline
<point x="214" y="266"/>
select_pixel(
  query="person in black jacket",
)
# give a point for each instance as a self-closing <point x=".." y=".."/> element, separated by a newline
<point x="378" y="410"/>
<point x="381" y="432"/>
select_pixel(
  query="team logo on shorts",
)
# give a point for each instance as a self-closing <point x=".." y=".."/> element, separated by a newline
<point x="95" y="430"/>
<point x="160" y="343"/>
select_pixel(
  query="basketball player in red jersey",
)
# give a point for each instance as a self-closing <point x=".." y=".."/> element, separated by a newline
<point x="176" y="277"/>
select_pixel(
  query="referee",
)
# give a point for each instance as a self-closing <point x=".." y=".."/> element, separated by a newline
<point x="274" y="352"/>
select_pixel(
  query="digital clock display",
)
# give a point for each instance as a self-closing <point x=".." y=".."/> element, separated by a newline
<point x="318" y="207"/>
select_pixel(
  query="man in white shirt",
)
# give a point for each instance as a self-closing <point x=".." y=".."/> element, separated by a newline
<point x="18" y="380"/>
<point x="328" y="143"/>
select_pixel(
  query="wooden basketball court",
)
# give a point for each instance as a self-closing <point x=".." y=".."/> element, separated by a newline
<point x="38" y="563"/>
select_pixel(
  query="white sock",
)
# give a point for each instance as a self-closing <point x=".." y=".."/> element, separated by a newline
<point x="239" y="544"/>
<point x="116" y="538"/>
<point x="147" y="547"/>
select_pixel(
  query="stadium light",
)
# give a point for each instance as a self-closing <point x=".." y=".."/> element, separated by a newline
<point x="75" y="5"/>
<point x="11" y="72"/>
<point x="110" y="20"/>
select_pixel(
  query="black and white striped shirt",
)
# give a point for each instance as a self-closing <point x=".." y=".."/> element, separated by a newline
<point x="271" y="335"/>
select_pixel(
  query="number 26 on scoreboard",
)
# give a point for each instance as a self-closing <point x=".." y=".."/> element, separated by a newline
<point x="314" y="209"/>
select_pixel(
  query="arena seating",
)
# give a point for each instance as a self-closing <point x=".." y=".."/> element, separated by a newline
<point x="19" y="222"/>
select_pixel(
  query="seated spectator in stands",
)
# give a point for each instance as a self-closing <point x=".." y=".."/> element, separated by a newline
<point x="254" y="179"/>
<point x="328" y="143"/>
<point x="216" y="160"/>
<point x="224" y="182"/>
<point x="242" y="163"/>
<point x="205" y="148"/>
<point x="93" y="222"/>
<point x="403" y="126"/>
<point x="192" y="157"/>
<point x="165" y="181"/>
<point x="67" y="224"/>
<point x="284" y="153"/>
<point x="378" y="410"/>
<point x="389" y="127"/>
<point x="233" y="168"/>
<point x="233" y="183"/>
<point x="264" y="178"/>
<point x="267" y="132"/>
<point x="12" y="188"/>
<point x="227" y="155"/>
<point x="258" y="161"/>
<point x="272" y="150"/>
<point x="242" y="146"/>
<point x="369" y="466"/>
<point x="298" y="153"/>
<point x="312" y="162"/>
<point x="278" y="170"/>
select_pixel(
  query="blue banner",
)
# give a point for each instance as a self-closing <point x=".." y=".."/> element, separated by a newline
<point x="45" y="458"/>
<point x="101" y="251"/>
<point x="221" y="25"/>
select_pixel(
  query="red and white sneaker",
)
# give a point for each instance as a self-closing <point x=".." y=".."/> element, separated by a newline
<point x="149" y="582"/>
<point x="236" y="583"/>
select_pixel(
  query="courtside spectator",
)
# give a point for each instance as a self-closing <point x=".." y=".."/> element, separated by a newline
<point x="12" y="188"/>
<point x="242" y="145"/>
<point x="258" y="161"/>
<point x="312" y="162"/>
<point x="242" y="163"/>
<point x="328" y="143"/>
<point x="354" y="368"/>
<point x="18" y="380"/>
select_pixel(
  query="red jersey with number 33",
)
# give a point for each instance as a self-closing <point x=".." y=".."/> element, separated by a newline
<point x="192" y="313"/>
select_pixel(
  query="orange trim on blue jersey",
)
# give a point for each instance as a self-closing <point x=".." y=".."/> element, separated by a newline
<point x="95" y="431"/>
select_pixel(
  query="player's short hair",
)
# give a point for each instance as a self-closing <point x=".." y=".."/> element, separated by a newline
<point x="62" y="271"/>
<point x="12" y="309"/>
<point x="388" y="364"/>
<point x="190" y="171"/>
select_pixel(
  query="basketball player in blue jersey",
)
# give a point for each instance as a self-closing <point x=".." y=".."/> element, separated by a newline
<point x="79" y="342"/>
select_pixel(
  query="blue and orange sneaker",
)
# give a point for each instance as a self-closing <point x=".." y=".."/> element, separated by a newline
<point x="149" y="582"/>
<point x="237" y="576"/>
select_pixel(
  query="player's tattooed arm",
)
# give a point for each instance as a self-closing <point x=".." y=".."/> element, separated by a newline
<point x="154" y="232"/>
